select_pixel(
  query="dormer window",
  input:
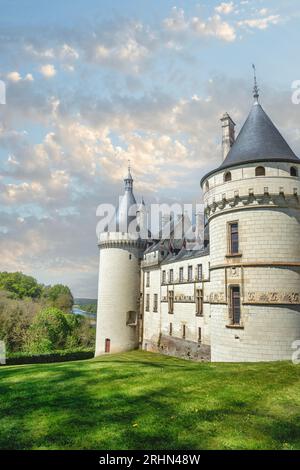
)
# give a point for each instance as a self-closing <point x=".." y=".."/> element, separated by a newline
<point x="227" y="176"/>
<point x="260" y="171"/>
<point x="293" y="171"/>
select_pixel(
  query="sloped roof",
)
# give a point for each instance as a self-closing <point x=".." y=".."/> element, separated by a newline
<point x="259" y="140"/>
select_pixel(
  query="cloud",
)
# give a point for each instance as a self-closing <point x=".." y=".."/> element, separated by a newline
<point x="213" y="26"/>
<point x="176" y="22"/>
<point x="225" y="8"/>
<point x="14" y="76"/>
<point x="260" y="23"/>
<point x="47" y="70"/>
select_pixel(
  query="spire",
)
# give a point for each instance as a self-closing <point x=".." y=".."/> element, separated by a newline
<point x="128" y="180"/>
<point x="255" y="88"/>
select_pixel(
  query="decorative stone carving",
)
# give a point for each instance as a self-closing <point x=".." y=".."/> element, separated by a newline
<point x="273" y="298"/>
<point x="217" y="298"/>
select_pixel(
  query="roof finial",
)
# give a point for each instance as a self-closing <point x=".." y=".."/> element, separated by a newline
<point x="255" y="88"/>
<point x="128" y="180"/>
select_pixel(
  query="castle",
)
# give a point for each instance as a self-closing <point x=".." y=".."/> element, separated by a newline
<point x="235" y="298"/>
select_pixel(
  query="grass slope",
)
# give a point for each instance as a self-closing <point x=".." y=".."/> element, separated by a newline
<point x="141" y="400"/>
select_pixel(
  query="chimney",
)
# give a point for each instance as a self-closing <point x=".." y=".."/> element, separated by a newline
<point x="228" y="136"/>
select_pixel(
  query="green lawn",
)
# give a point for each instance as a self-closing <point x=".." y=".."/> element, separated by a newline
<point x="141" y="400"/>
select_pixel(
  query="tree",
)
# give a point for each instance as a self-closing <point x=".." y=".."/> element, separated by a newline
<point x="59" y="296"/>
<point x="20" y="286"/>
<point x="48" y="332"/>
<point x="16" y="317"/>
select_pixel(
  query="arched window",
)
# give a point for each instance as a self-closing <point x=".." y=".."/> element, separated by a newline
<point x="227" y="176"/>
<point x="293" y="171"/>
<point x="206" y="186"/>
<point x="260" y="171"/>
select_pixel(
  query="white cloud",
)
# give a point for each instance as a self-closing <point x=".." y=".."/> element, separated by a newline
<point x="14" y="76"/>
<point x="225" y="8"/>
<point x="47" y="70"/>
<point x="29" y="77"/>
<point x="68" y="53"/>
<point x="260" y="23"/>
<point x="176" y="22"/>
<point x="214" y="27"/>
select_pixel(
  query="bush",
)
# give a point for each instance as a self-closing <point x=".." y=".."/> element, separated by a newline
<point x="57" y="356"/>
<point x="48" y="332"/>
<point x="59" y="296"/>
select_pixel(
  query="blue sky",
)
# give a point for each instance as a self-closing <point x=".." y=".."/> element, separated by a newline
<point x="91" y="84"/>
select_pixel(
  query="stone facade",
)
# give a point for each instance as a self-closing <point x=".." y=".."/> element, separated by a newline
<point x="238" y="299"/>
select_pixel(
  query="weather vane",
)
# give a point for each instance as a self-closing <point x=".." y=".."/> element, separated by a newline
<point x="255" y="88"/>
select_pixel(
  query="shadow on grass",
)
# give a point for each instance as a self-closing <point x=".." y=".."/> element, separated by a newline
<point x="128" y="404"/>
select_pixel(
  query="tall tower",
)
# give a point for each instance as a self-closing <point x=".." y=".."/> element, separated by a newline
<point x="252" y="203"/>
<point x="121" y="250"/>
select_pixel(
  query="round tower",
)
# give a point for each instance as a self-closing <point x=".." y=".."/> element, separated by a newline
<point x="119" y="279"/>
<point x="252" y="202"/>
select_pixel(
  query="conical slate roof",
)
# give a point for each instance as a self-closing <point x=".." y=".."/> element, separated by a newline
<point x="259" y="140"/>
<point x="126" y="212"/>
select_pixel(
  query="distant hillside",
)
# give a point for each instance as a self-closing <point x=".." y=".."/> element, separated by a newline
<point x="85" y="301"/>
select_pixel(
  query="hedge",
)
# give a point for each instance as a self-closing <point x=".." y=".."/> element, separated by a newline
<point x="57" y="356"/>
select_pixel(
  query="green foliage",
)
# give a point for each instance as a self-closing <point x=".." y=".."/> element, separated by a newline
<point x="16" y="317"/>
<point x="57" y="356"/>
<point x="60" y="296"/>
<point x="19" y="285"/>
<point x="48" y="331"/>
<point x="37" y="319"/>
<point x="90" y="308"/>
<point x="52" y="330"/>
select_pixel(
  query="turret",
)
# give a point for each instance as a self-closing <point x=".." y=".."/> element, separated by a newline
<point x="252" y="203"/>
<point x="119" y="279"/>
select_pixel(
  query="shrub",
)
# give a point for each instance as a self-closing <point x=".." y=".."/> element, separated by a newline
<point x="57" y="356"/>
<point x="48" y="332"/>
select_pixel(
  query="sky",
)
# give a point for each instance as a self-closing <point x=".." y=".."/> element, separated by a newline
<point x="92" y="84"/>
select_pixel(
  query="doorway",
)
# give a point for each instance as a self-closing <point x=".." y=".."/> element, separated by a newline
<point x="107" y="345"/>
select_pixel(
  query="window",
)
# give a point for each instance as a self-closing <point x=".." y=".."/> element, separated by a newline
<point x="171" y="329"/>
<point x="147" y="302"/>
<point x="183" y="331"/>
<point x="180" y="274"/>
<point x="131" y="318"/>
<point x="171" y="301"/>
<point x="199" y="335"/>
<point x="130" y="256"/>
<point x="199" y="272"/>
<point x="171" y="275"/>
<point x="155" y="303"/>
<point x="260" y="171"/>
<point x="148" y="279"/>
<point x="190" y="273"/>
<point x="293" y="171"/>
<point x="233" y="238"/>
<point x="227" y="176"/>
<point x="164" y="277"/>
<point x="235" y="305"/>
<point x="206" y="186"/>
<point x="199" y="302"/>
